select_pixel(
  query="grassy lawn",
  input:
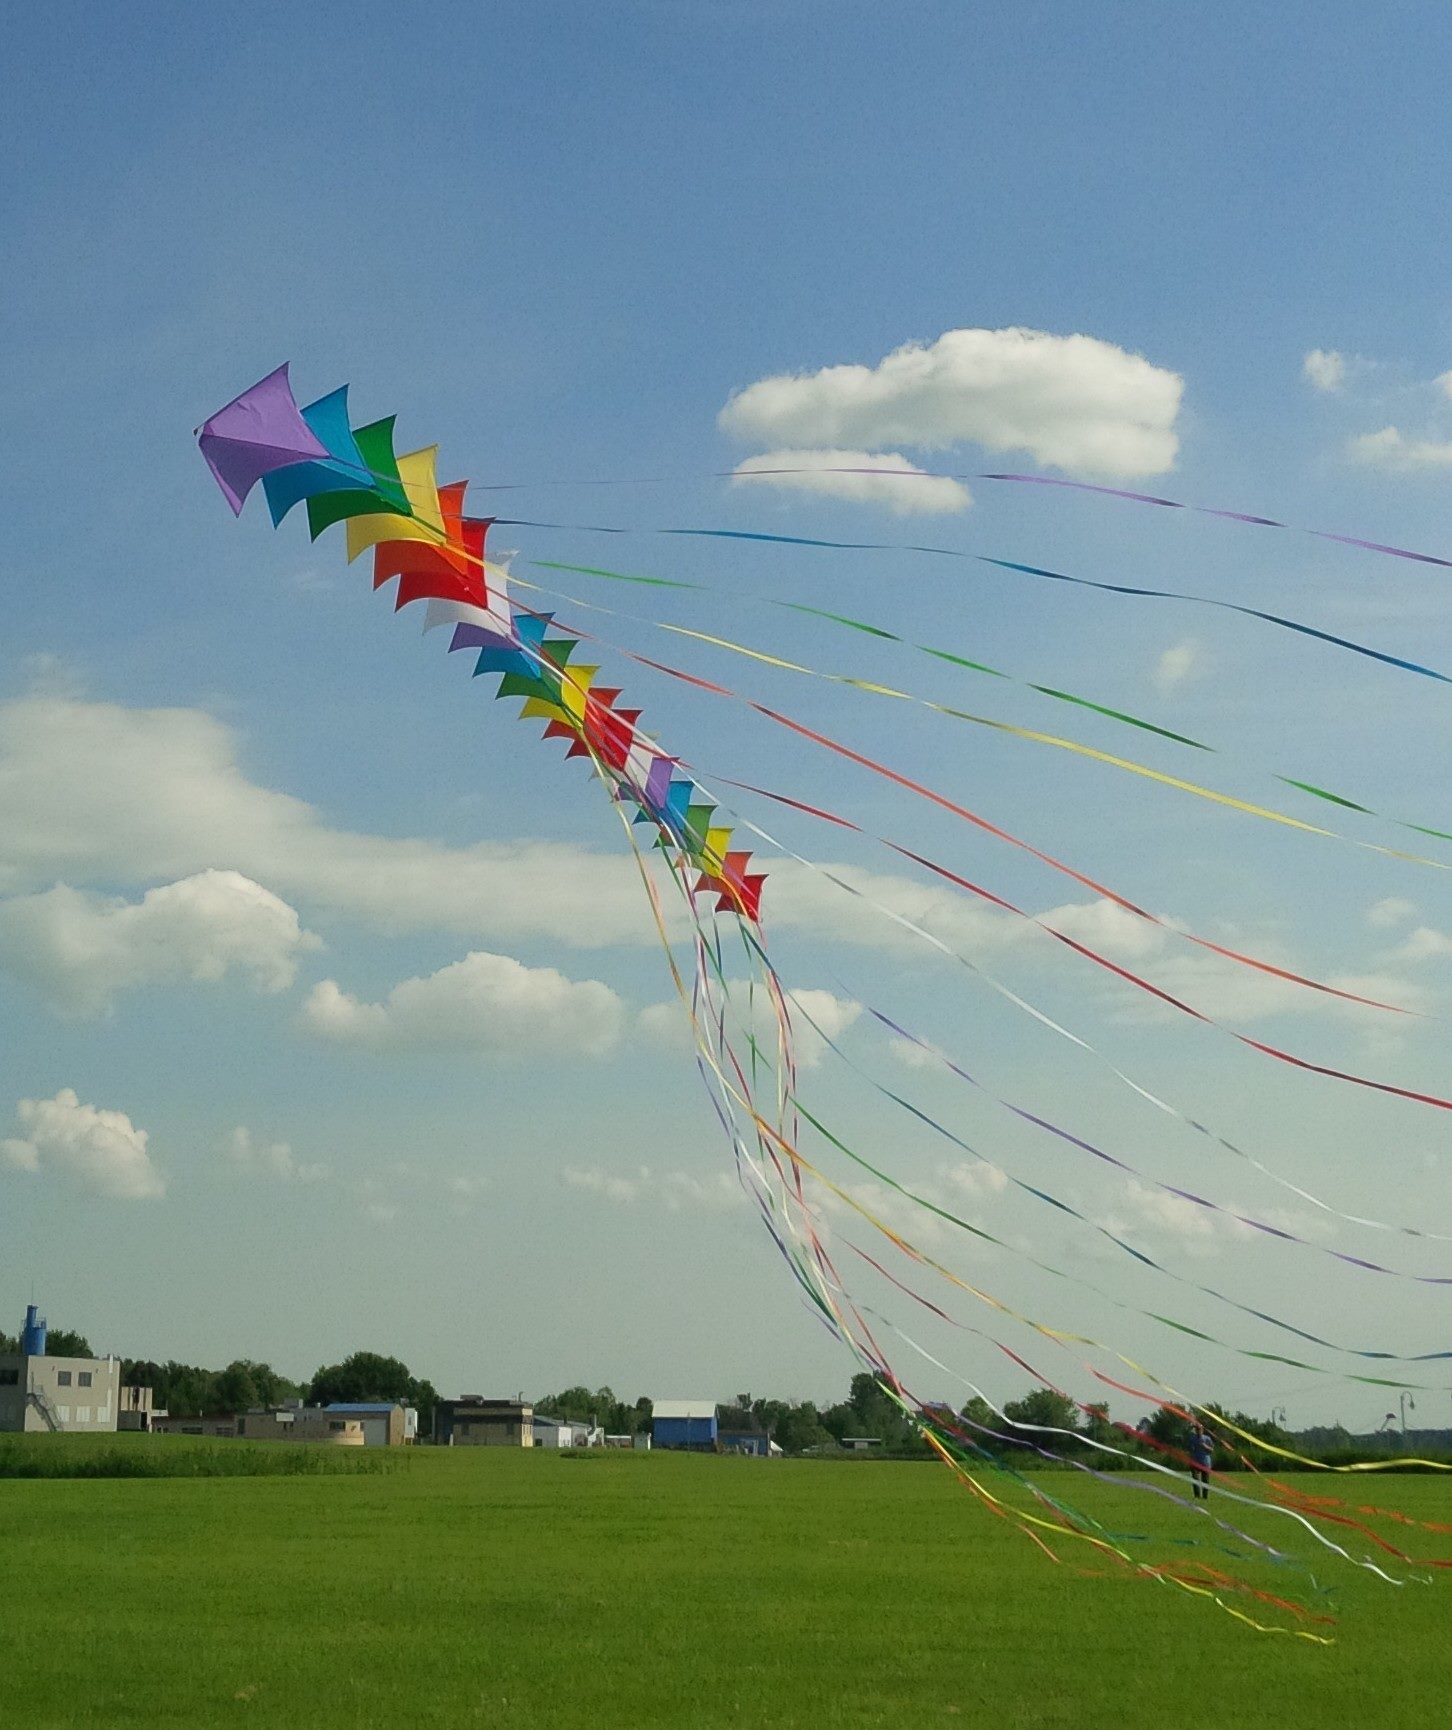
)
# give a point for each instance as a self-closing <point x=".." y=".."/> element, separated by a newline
<point x="492" y="1587"/>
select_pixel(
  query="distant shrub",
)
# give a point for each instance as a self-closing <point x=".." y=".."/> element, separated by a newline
<point x="168" y="1457"/>
<point x="1435" y="1462"/>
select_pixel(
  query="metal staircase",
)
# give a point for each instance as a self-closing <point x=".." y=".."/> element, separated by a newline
<point x="38" y="1398"/>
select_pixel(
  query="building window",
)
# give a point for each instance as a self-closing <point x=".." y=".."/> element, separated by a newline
<point x="333" y="1425"/>
<point x="10" y="1377"/>
<point x="83" y="1414"/>
<point x="62" y="1378"/>
<point x="83" y="1378"/>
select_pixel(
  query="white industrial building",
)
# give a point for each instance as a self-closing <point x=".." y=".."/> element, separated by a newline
<point x="39" y="1392"/>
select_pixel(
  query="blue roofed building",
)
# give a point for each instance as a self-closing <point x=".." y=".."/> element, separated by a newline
<point x="689" y="1424"/>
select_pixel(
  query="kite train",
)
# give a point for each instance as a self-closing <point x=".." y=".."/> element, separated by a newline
<point x="747" y="1028"/>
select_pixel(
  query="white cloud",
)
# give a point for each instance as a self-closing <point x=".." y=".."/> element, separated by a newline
<point x="489" y="1003"/>
<point x="911" y="1055"/>
<point x="101" y="1152"/>
<point x="977" y="1179"/>
<point x="1389" y="449"/>
<point x="99" y="794"/>
<point x="273" y="1159"/>
<point x="1195" y="1230"/>
<point x="806" y="899"/>
<point x="904" y="496"/>
<point x="1324" y="368"/>
<point x="669" y="1024"/>
<point x="677" y="1191"/>
<point x="1072" y="402"/>
<point x="1423" y="944"/>
<point x="1178" y="664"/>
<point x="1443" y="382"/>
<point x="1108" y="927"/>
<point x="1392" y="911"/>
<point x="79" y="949"/>
<point x="613" y="1185"/>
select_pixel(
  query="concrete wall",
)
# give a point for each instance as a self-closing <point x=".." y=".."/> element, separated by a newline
<point x="217" y="1425"/>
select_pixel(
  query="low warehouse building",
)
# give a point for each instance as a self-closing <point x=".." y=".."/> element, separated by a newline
<point x="302" y="1424"/>
<point x="385" y="1425"/>
<point x="689" y="1424"/>
<point x="215" y="1424"/>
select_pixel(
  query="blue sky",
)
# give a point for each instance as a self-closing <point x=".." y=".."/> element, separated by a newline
<point x="557" y="239"/>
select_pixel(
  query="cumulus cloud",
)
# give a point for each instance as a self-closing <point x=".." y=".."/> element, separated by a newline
<point x="79" y="949"/>
<point x="1443" y="382"/>
<point x="485" y="1003"/>
<point x="867" y="909"/>
<point x="809" y="900"/>
<point x="891" y="483"/>
<point x="911" y="1055"/>
<point x="1194" y="1230"/>
<point x="817" y="1010"/>
<point x="1324" y="369"/>
<point x="101" y="1152"/>
<point x="1072" y="402"/>
<point x="1392" y="451"/>
<point x="979" y="1179"/>
<point x="272" y="1159"/>
<point x="99" y="794"/>
<point x="677" y="1191"/>
<point x="965" y="1189"/>
<point x="1176" y="666"/>
<point x="1390" y="912"/>
<point x="1423" y="944"/>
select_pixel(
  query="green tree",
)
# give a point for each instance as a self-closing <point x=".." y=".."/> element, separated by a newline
<point x="875" y="1411"/>
<point x="1170" y="1429"/>
<point x="1045" y="1409"/>
<point x="840" y="1420"/>
<point x="799" y="1427"/>
<point x="62" y="1343"/>
<point x="235" y="1389"/>
<point x="979" y="1417"/>
<point x="1100" y="1427"/>
<point x="365" y="1377"/>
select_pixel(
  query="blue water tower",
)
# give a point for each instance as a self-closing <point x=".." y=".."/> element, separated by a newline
<point x="32" y="1340"/>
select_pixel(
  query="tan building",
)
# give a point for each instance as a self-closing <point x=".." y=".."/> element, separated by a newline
<point x="41" y="1393"/>
<point x="301" y="1424"/>
<point x="474" y="1422"/>
<point x="385" y="1424"/>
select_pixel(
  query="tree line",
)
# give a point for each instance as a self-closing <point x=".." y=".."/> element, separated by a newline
<point x="796" y="1426"/>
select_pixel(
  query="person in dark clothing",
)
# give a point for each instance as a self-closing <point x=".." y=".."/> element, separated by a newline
<point x="1202" y="1457"/>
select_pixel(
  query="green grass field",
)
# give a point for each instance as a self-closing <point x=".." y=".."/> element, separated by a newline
<point x="493" y="1587"/>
